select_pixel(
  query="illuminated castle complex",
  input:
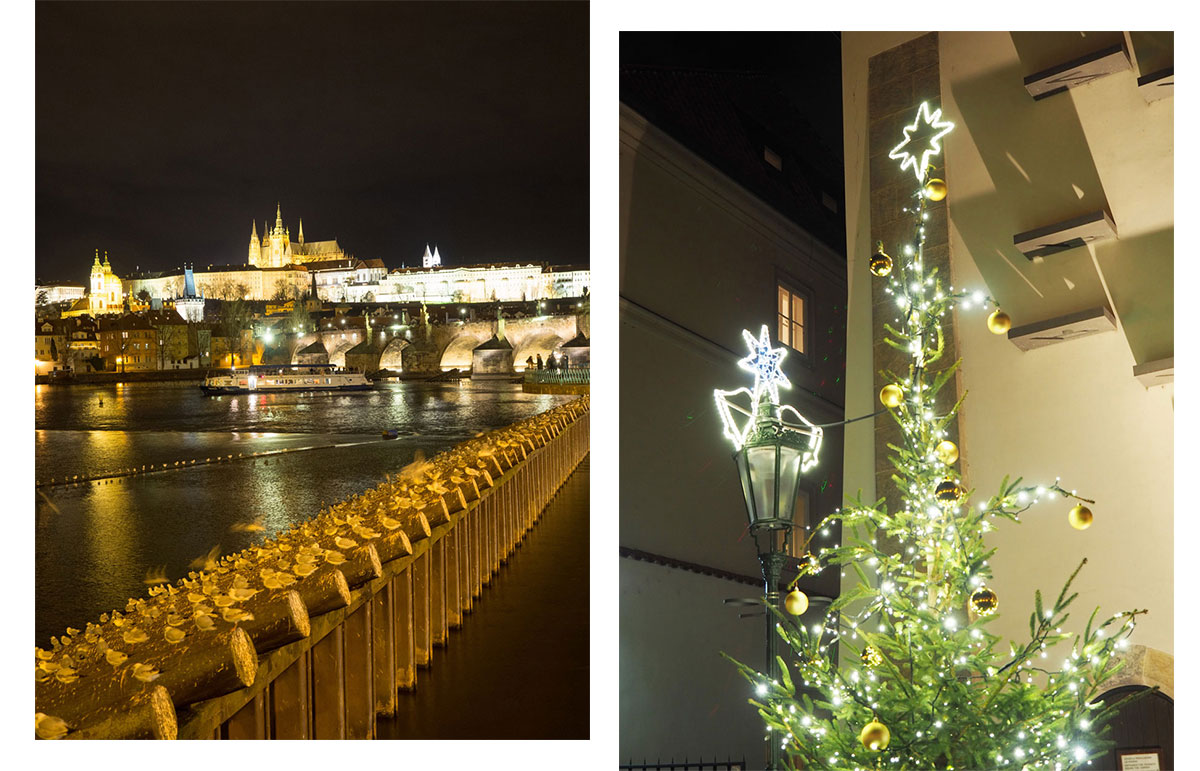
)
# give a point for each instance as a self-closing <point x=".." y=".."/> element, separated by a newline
<point x="276" y="249"/>
<point x="278" y="268"/>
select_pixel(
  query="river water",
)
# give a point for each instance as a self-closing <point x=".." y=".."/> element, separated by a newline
<point x="96" y="542"/>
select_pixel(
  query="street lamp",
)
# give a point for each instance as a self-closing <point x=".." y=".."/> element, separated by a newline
<point x="771" y="455"/>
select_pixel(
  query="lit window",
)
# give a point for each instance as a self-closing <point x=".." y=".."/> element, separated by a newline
<point x="791" y="319"/>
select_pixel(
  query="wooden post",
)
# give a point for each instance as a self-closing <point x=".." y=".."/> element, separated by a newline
<point x="329" y="686"/>
<point x="360" y="677"/>
<point x="489" y="537"/>
<point x="402" y="605"/>
<point x="422" y="631"/>
<point x="454" y="601"/>
<point x="289" y="702"/>
<point x="478" y="549"/>
<point x="383" y="650"/>
<point x="462" y="536"/>
<point x="249" y="722"/>
<point x="438" y="603"/>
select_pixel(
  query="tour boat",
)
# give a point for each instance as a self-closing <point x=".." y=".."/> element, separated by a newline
<point x="276" y="378"/>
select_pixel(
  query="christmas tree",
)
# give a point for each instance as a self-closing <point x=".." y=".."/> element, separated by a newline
<point x="922" y="683"/>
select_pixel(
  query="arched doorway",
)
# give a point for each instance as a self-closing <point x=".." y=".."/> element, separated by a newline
<point x="1144" y="731"/>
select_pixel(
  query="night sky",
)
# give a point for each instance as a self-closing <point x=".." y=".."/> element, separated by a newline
<point x="163" y="129"/>
<point x="806" y="66"/>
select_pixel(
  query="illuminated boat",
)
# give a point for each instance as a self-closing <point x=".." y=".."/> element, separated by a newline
<point x="278" y="378"/>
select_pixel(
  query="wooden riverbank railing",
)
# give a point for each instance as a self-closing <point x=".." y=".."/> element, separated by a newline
<point x="312" y="634"/>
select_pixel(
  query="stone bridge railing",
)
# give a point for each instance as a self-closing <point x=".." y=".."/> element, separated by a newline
<point x="313" y="633"/>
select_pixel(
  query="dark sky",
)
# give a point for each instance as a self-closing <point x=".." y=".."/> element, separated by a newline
<point x="807" y="66"/>
<point x="163" y="129"/>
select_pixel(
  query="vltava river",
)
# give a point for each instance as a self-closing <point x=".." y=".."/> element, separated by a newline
<point x="96" y="542"/>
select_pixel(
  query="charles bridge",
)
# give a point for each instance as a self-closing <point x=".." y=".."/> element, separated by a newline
<point x="425" y="348"/>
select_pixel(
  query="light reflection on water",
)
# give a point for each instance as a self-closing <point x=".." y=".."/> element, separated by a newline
<point x="94" y="551"/>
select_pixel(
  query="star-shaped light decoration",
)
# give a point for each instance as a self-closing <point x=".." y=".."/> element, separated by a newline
<point x="764" y="362"/>
<point x="924" y="133"/>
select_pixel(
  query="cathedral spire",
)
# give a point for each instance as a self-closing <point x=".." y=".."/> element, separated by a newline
<point x="97" y="262"/>
<point x="278" y="217"/>
<point x="301" y="230"/>
<point x="253" y="230"/>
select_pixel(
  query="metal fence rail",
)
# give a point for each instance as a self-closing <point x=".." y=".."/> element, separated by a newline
<point x="581" y="376"/>
<point x="685" y="765"/>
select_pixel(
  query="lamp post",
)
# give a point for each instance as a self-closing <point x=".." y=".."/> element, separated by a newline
<point x="771" y="455"/>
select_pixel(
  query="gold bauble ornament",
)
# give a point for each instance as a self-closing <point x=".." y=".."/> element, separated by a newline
<point x="796" y="602"/>
<point x="947" y="452"/>
<point x="1080" y="517"/>
<point x="891" y="396"/>
<point x="948" y="492"/>
<point x="881" y="264"/>
<point x="935" y="189"/>
<point x="984" y="601"/>
<point x="808" y="564"/>
<point x="999" y="322"/>
<point x="871" y="657"/>
<point x="875" y="736"/>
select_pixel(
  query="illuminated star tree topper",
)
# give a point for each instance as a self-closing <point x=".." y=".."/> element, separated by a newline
<point x="921" y="140"/>
<point x="764" y="362"/>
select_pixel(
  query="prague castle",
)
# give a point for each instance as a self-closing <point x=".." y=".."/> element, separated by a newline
<point x="278" y="268"/>
<point x="277" y="249"/>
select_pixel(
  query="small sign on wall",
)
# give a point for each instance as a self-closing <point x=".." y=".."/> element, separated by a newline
<point x="1139" y="760"/>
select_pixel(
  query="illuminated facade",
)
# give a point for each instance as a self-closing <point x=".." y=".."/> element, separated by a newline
<point x="105" y="295"/>
<point x="276" y="248"/>
<point x="476" y="283"/>
<point x="59" y="292"/>
<point x="226" y="282"/>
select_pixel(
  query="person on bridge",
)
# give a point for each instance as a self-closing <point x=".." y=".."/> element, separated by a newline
<point x="563" y="362"/>
<point x="539" y="361"/>
<point x="553" y="364"/>
<point x="529" y="363"/>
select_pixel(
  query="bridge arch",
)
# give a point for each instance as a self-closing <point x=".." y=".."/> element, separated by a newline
<point x="457" y="354"/>
<point x="535" y="344"/>
<point x="392" y="355"/>
<point x="337" y="343"/>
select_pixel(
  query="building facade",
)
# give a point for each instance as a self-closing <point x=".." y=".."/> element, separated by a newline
<point x="106" y="290"/>
<point x="62" y="291"/>
<point x="276" y="249"/>
<point x="706" y="252"/>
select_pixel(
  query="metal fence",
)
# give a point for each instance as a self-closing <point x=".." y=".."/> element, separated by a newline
<point x="686" y="765"/>
<point x="581" y="376"/>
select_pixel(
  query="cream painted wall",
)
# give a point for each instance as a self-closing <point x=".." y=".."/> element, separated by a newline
<point x="1072" y="410"/>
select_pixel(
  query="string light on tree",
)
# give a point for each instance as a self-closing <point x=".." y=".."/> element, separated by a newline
<point x="931" y="687"/>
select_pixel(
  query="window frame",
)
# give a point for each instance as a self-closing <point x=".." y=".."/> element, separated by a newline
<point x="795" y="289"/>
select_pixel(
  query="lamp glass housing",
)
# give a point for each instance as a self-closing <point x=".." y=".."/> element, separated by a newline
<point x="769" y="469"/>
